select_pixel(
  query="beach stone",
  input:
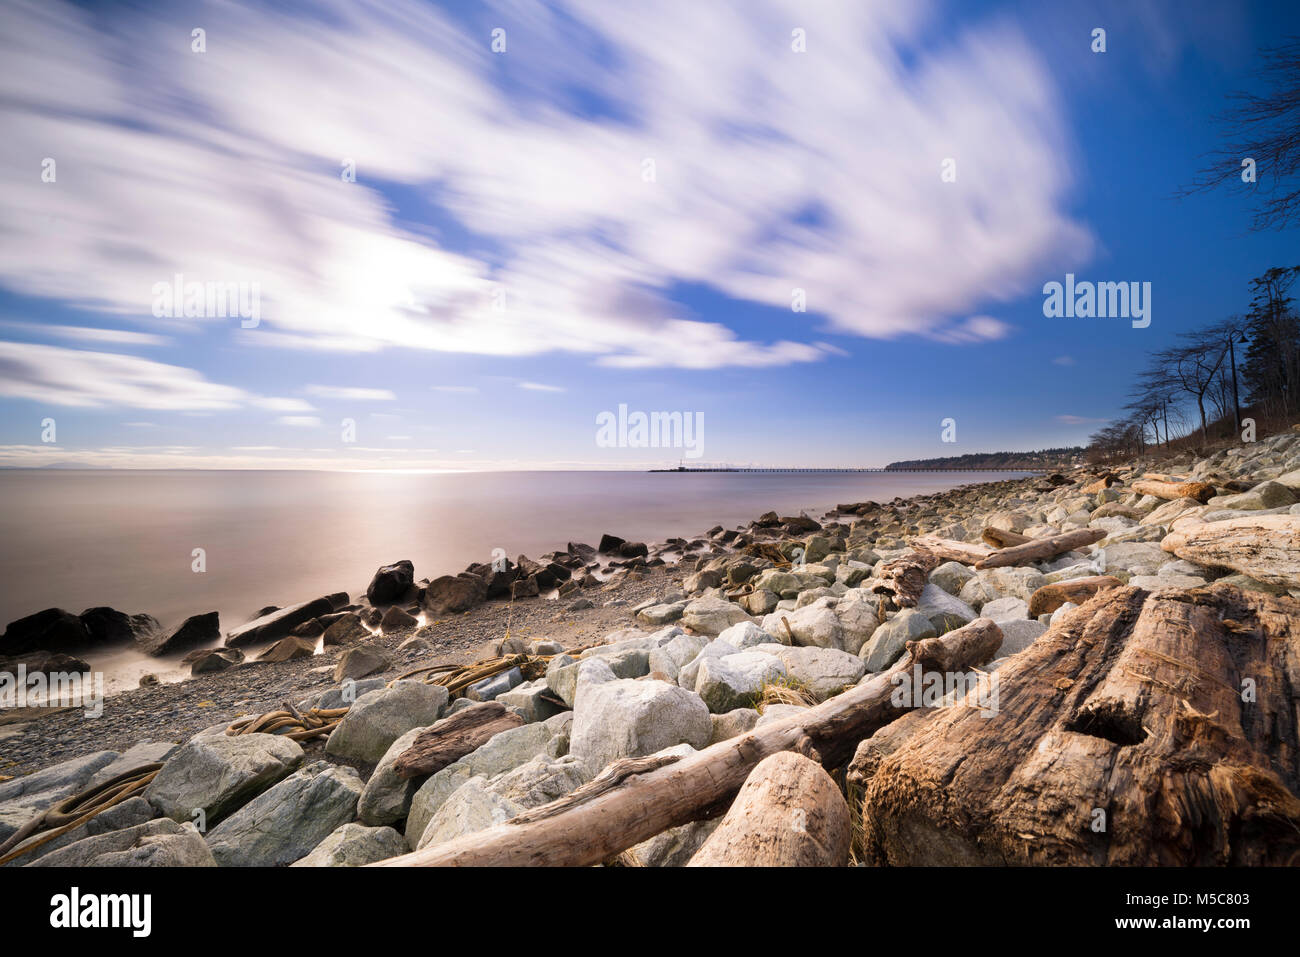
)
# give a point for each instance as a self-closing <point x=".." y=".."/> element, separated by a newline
<point x="661" y="614"/>
<point x="1019" y="582"/>
<point x="207" y="661"/>
<point x="378" y="718"/>
<point x="951" y="576"/>
<point x="531" y="699"/>
<point x="746" y="635"/>
<point x="815" y="625"/>
<point x="759" y="602"/>
<point x="891" y="638"/>
<point x="1017" y="635"/>
<point x="735" y="681"/>
<point x="667" y="660"/>
<point x="689" y="674"/>
<point x="53" y="629"/>
<point x="773" y="713"/>
<point x="823" y="671"/>
<point x="566" y="679"/>
<point x="1264" y="495"/>
<point x="136" y="756"/>
<point x="285" y="822"/>
<point x="220" y="773"/>
<point x="360" y="662"/>
<point x="859" y="614"/>
<point x="945" y="611"/>
<point x="540" y="780"/>
<point x="710" y="615"/>
<point x="355" y="845"/>
<point x="157" y="843"/>
<point x="278" y="623"/>
<point x="977" y="592"/>
<point x="452" y="594"/>
<point x="387" y="797"/>
<point x="1136" y="558"/>
<point x="1003" y="609"/>
<point x="503" y="752"/>
<point x="1154" y="582"/>
<point x="345" y="630"/>
<point x="545" y="648"/>
<point x="129" y="813"/>
<point x="782" y="584"/>
<point x="289" y="648"/>
<point x="622" y="719"/>
<point x="676" y="846"/>
<point x="468" y="809"/>
<point x="346" y="694"/>
<point x="195" y="630"/>
<point x="390" y="583"/>
<point x="397" y="619"/>
<point x="732" y="723"/>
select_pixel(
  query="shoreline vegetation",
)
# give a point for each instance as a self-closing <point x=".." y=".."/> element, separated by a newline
<point x="1092" y="629"/>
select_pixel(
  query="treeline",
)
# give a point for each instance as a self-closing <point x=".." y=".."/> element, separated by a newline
<point x="1043" y="458"/>
<point x="1214" y="376"/>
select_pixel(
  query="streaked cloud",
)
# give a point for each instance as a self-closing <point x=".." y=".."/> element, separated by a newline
<point x="351" y="393"/>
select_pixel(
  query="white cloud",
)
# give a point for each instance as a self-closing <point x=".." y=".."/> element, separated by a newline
<point x="121" y="337"/>
<point x="454" y="388"/>
<point x="71" y="377"/>
<point x="540" y="387"/>
<point x="302" y="421"/>
<point x="774" y="170"/>
<point x="351" y="393"/>
<point x="280" y="404"/>
<point x="1076" y="419"/>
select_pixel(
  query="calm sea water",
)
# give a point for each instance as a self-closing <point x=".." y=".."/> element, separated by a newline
<point x="77" y="539"/>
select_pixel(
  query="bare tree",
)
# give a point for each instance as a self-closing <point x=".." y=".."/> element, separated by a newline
<point x="1261" y="134"/>
<point x="1194" y="367"/>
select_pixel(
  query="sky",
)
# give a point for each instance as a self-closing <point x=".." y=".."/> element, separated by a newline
<point x="462" y="233"/>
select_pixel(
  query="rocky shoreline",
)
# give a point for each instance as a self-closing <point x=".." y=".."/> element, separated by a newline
<point x="633" y="651"/>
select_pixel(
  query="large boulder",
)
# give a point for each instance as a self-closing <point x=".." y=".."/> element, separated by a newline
<point x="108" y="626"/>
<point x="156" y="843"/>
<point x="391" y="583"/>
<point x="378" y="718"/>
<point x="823" y="671"/>
<point x="735" y="681"/>
<point x="891" y="638"/>
<point x="452" y="594"/>
<point x="711" y="615"/>
<point x="278" y="623"/>
<point x="193" y="631"/>
<point x="285" y="822"/>
<point x="50" y="630"/>
<point x="355" y="845"/>
<point x="634" y="718"/>
<point x="22" y="798"/>
<point x="471" y="807"/>
<point x="218" y="773"/>
<point x="387" y="795"/>
<point x="359" y="662"/>
<point x="944" y="610"/>
<point x="816" y="625"/>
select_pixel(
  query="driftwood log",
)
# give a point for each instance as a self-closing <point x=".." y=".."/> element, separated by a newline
<point x="1143" y="729"/>
<point x="1265" y="547"/>
<point x="1078" y="590"/>
<point x="634" y="799"/>
<point x="951" y="551"/>
<point x="789" y="813"/>
<point x="904" y="578"/>
<point x="1201" y="491"/>
<point x="1105" y="482"/>
<point x="1003" y="537"/>
<point x="452" y="738"/>
<point x="1039" y="549"/>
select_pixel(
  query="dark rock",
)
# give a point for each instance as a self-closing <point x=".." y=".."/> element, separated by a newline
<point x="768" y="520"/>
<point x="339" y="600"/>
<point x="207" y="660"/>
<point x="287" y="649"/>
<point x="279" y="623"/>
<point x="525" y="588"/>
<point x="390" y="583"/>
<point x="609" y="544"/>
<point x="262" y="612"/>
<point x="107" y="626"/>
<point x="149" y="681"/>
<point x="497" y="579"/>
<point x="195" y="630"/>
<point x="44" y="662"/>
<point x="309" y="629"/>
<point x="395" y="619"/>
<point x="52" y="629"/>
<point x="450" y="594"/>
<point x="371" y="616"/>
<point x="359" y="662"/>
<point x="346" y="630"/>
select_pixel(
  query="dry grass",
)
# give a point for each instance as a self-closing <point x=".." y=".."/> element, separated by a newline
<point x="784" y="691"/>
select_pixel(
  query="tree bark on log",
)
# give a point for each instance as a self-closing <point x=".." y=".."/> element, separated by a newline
<point x="1105" y="482"/>
<point x="452" y="738"/>
<point x="904" y="578"/>
<point x="789" y="813"/>
<point x="951" y="551"/>
<point x="1039" y="549"/>
<point x="1265" y="547"/>
<point x="1201" y="491"/>
<point x="1003" y="537"/>
<point x="1078" y="590"/>
<point x="634" y="799"/>
<point x="1142" y="729"/>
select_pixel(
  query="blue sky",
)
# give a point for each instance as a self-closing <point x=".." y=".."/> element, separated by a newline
<point x="504" y="267"/>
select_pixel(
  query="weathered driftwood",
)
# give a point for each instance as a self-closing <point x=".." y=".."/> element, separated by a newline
<point x="1078" y="590"/>
<point x="904" y="578"/>
<point x="1201" y="491"/>
<point x="1039" y="549"/>
<point x="1003" y="537"/>
<point x="1105" y="482"/>
<point x="789" y="813"/>
<point x="951" y="551"/>
<point x="1265" y="547"/>
<point x="636" y="798"/>
<point x="1143" y="729"/>
<point x="452" y="738"/>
